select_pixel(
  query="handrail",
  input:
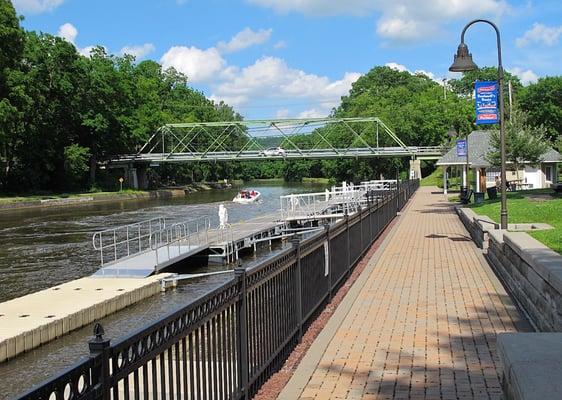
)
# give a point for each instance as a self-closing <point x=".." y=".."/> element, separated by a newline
<point x="124" y="241"/>
<point x="180" y="234"/>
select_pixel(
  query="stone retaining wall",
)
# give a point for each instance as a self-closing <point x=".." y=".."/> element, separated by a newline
<point x="477" y="225"/>
<point x="532" y="273"/>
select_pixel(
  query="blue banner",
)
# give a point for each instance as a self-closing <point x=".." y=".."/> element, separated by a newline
<point x="486" y="102"/>
<point x="461" y="148"/>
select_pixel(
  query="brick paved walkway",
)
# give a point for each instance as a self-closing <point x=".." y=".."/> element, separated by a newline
<point x="422" y="326"/>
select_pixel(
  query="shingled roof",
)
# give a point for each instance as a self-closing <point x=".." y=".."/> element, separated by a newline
<point x="478" y="147"/>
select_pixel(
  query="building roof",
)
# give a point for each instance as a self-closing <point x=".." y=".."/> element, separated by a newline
<point x="478" y="147"/>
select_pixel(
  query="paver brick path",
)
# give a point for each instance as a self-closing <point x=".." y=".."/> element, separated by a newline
<point x="424" y="324"/>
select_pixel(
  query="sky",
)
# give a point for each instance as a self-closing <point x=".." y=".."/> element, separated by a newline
<point x="296" y="58"/>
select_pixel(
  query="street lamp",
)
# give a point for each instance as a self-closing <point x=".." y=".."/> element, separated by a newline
<point x="463" y="63"/>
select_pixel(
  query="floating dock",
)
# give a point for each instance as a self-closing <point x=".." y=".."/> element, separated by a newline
<point x="30" y="321"/>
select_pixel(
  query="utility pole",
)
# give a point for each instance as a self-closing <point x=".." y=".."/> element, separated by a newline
<point x="444" y="88"/>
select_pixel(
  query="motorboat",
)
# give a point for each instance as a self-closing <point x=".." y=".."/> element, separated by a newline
<point x="247" y="197"/>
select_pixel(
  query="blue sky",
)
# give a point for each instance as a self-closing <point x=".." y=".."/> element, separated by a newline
<point x="290" y="58"/>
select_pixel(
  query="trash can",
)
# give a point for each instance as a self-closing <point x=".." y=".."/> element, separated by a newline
<point x="492" y="192"/>
<point x="478" y="197"/>
<point x="464" y="191"/>
<point x="463" y="195"/>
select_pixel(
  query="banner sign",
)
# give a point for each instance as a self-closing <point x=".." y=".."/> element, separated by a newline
<point x="461" y="148"/>
<point x="487" y="102"/>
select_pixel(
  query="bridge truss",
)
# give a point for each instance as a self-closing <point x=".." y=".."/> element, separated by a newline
<point x="313" y="138"/>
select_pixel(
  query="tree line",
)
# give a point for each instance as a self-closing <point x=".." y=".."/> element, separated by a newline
<point x="62" y="112"/>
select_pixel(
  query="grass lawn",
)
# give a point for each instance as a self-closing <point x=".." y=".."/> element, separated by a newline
<point x="436" y="179"/>
<point x="16" y="199"/>
<point x="530" y="206"/>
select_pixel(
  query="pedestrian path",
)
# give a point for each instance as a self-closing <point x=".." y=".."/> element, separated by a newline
<point x="420" y="323"/>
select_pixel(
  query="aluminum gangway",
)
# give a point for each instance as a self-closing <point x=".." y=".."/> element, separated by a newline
<point x="147" y="247"/>
<point x="335" y="202"/>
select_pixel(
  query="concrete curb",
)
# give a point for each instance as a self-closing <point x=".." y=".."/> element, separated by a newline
<point x="294" y="388"/>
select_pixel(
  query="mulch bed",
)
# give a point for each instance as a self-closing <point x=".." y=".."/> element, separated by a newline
<point x="275" y="384"/>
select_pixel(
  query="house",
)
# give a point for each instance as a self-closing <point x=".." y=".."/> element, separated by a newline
<point x="529" y="176"/>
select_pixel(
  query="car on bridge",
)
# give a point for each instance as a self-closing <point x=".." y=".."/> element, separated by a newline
<point x="274" y="151"/>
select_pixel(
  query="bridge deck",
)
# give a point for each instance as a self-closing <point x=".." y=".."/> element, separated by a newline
<point x="419" y="323"/>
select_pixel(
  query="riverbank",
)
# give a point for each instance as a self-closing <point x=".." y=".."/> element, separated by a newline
<point x="70" y="199"/>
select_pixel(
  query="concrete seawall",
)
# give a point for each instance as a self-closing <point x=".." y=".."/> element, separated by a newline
<point x="30" y="321"/>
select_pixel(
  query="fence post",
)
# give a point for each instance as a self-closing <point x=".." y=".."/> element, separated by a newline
<point x="361" y="227"/>
<point x="397" y="193"/>
<point x="329" y="260"/>
<point x="297" y="245"/>
<point x="348" y="251"/>
<point x="99" y="351"/>
<point x="242" y="328"/>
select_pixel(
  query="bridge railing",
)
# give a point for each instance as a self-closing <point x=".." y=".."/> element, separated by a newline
<point x="326" y="203"/>
<point x="180" y="238"/>
<point x="125" y="241"/>
<point x="339" y="200"/>
<point x="227" y="343"/>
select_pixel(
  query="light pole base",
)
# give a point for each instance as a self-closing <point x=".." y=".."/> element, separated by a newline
<point x="503" y="219"/>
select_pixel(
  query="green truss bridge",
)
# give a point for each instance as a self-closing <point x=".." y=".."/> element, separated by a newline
<point x="317" y="138"/>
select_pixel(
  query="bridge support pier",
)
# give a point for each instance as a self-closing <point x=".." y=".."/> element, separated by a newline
<point x="415" y="169"/>
<point x="136" y="176"/>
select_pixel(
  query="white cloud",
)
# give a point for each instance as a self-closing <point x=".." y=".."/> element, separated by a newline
<point x="68" y="32"/>
<point x="400" y="20"/>
<point x="397" y="67"/>
<point x="86" y="51"/>
<point x="282" y="113"/>
<point x="199" y="65"/>
<point x="139" y="51"/>
<point x="403" y="68"/>
<point x="540" y="33"/>
<point x="314" y="113"/>
<point x="526" y="76"/>
<point x="36" y="6"/>
<point x="272" y="78"/>
<point x="244" y="39"/>
<point x="280" y="45"/>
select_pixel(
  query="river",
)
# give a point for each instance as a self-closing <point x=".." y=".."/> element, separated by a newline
<point x="40" y="248"/>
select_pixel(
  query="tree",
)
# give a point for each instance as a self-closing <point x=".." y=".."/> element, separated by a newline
<point x="524" y="143"/>
<point x="465" y="85"/>
<point x="12" y="39"/>
<point x="76" y="163"/>
<point x="543" y="103"/>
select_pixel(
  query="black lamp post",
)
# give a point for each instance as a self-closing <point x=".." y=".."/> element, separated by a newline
<point x="463" y="63"/>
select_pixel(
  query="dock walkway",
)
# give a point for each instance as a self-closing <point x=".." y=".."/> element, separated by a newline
<point x="419" y="323"/>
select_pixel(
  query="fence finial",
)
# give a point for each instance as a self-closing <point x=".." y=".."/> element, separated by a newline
<point x="98" y="331"/>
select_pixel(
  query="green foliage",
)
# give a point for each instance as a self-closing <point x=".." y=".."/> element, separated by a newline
<point x="465" y="85"/>
<point x="523" y="142"/>
<point x="543" y="103"/>
<point x="76" y="162"/>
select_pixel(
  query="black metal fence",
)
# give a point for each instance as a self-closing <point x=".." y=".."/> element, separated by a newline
<point x="228" y="343"/>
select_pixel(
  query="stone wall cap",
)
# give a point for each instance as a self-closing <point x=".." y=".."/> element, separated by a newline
<point x="497" y="235"/>
<point x="544" y="261"/>
<point x="532" y="363"/>
<point x="485" y="223"/>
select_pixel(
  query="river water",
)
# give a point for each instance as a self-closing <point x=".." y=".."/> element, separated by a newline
<point x="40" y="248"/>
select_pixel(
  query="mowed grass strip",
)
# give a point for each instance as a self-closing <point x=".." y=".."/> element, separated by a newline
<point x="531" y="206"/>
